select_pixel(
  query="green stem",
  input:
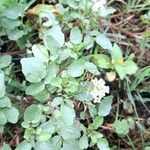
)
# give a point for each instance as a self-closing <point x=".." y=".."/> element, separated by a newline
<point x="131" y="143"/>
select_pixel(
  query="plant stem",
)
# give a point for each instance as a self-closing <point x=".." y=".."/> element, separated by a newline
<point x="131" y="143"/>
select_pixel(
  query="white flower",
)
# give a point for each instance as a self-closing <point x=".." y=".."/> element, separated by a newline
<point x="100" y="89"/>
<point x="98" y="4"/>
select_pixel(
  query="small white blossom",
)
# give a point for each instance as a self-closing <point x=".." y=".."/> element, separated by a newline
<point x="100" y="89"/>
<point x="98" y="4"/>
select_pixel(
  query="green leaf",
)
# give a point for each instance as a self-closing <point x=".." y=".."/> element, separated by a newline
<point x="2" y="85"/>
<point x="40" y="52"/>
<point x="122" y="127"/>
<point x="121" y="71"/>
<point x="5" y="61"/>
<point x="103" y="144"/>
<point x="43" y="96"/>
<point x="53" y="40"/>
<point x="105" y="106"/>
<point x="52" y="71"/>
<point x="83" y="142"/>
<point x="57" y="101"/>
<point x="32" y="114"/>
<point x="116" y="54"/>
<point x="44" y="136"/>
<point x="68" y="114"/>
<point x="130" y="67"/>
<point x="24" y="146"/>
<point x="29" y="132"/>
<point x="83" y="92"/>
<point x="147" y="148"/>
<point x="14" y="12"/>
<point x="33" y="69"/>
<point x="12" y="115"/>
<point x="97" y="122"/>
<point x="35" y="88"/>
<point x="105" y="11"/>
<point x="6" y="147"/>
<point x="103" y="41"/>
<point x="70" y="133"/>
<point x="52" y="45"/>
<point x="76" y="35"/>
<point x="56" y="82"/>
<point x="56" y="33"/>
<point x="43" y="145"/>
<point x="91" y="68"/>
<point x="72" y="86"/>
<point x="57" y="142"/>
<point x="70" y="145"/>
<point x="5" y="102"/>
<point x="102" y="61"/>
<point x="88" y="41"/>
<point x="76" y="68"/>
<point x="9" y="23"/>
<point x="15" y="34"/>
<point x="47" y="127"/>
<point x="95" y="136"/>
<point x="3" y="118"/>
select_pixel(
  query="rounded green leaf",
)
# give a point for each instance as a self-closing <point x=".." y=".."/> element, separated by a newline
<point x="105" y="106"/>
<point x="102" y="61"/>
<point x="6" y="147"/>
<point x="88" y="41"/>
<point x="43" y="96"/>
<point x="43" y="145"/>
<point x="5" y="61"/>
<point x="65" y="110"/>
<point x="15" y="34"/>
<point x="83" y="142"/>
<point x="91" y="68"/>
<point x="40" y="52"/>
<point x="103" y="41"/>
<point x="76" y="69"/>
<point x="122" y="127"/>
<point x="15" y="11"/>
<point x="76" y="35"/>
<point x="5" y="102"/>
<point x="97" y="122"/>
<point x="70" y="145"/>
<point x="35" y="88"/>
<point x="116" y="54"/>
<point x="56" y="33"/>
<point x="103" y="144"/>
<point x="24" y="146"/>
<point x="130" y="67"/>
<point x="32" y="114"/>
<point x="12" y="115"/>
<point x="33" y="69"/>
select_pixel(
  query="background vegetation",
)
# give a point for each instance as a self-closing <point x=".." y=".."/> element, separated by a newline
<point x="74" y="74"/>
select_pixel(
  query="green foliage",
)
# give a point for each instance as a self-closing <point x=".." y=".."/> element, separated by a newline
<point x="122" y="127"/>
<point x="12" y="14"/>
<point x="55" y="98"/>
<point x="36" y="72"/>
<point x="8" y="113"/>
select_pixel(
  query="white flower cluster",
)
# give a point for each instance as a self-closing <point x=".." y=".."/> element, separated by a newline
<point x="100" y="89"/>
<point x="98" y="4"/>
